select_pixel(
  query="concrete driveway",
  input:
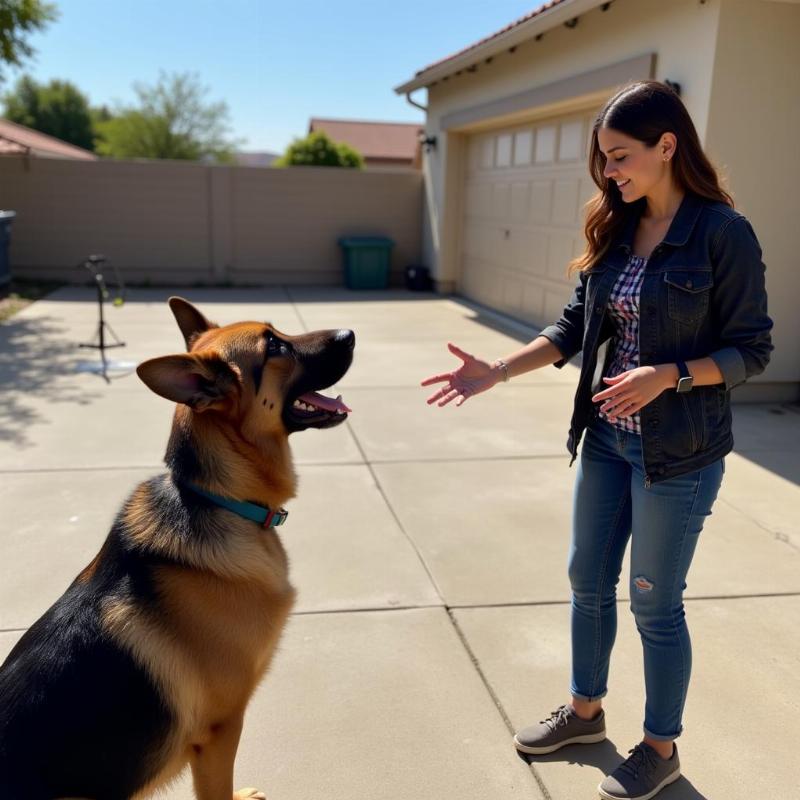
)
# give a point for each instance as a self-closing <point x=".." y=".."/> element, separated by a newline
<point x="428" y="547"/>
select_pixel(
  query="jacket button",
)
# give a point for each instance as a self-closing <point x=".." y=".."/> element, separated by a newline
<point x="688" y="284"/>
<point x="598" y="309"/>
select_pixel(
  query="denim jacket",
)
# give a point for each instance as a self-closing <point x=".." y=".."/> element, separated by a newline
<point x="703" y="294"/>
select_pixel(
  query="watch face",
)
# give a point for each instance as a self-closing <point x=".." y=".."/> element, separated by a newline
<point x="685" y="385"/>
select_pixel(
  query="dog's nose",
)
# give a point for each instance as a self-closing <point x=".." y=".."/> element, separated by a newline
<point x="345" y="338"/>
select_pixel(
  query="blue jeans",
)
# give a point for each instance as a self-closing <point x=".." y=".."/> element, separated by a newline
<point x="664" y="522"/>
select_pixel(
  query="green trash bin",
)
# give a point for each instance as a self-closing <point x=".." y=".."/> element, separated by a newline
<point x="366" y="261"/>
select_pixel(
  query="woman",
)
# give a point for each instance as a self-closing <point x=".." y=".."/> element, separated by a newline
<point x="672" y="277"/>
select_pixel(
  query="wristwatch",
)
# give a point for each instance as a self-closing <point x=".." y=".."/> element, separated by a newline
<point x="685" y="379"/>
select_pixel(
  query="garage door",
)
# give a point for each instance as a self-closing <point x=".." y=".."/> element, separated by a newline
<point x="524" y="192"/>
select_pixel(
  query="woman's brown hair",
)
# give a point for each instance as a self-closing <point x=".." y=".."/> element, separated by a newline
<point x="645" y="111"/>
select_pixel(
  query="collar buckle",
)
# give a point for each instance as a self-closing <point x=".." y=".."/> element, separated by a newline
<point x="275" y="518"/>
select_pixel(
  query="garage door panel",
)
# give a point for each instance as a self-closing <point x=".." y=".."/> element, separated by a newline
<point x="541" y="201"/>
<point x="469" y="245"/>
<point x="559" y="254"/>
<point x="588" y="190"/>
<point x="525" y="190"/>
<point x="523" y="148"/>
<point x="472" y="201"/>
<point x="529" y="251"/>
<point x="571" y="139"/>
<point x="512" y="294"/>
<point x="486" y="158"/>
<point x="554" y="303"/>
<point x="501" y="203"/>
<point x="504" y="143"/>
<point x="519" y="201"/>
<point x="565" y="201"/>
<point x="533" y="301"/>
<point x="545" y="148"/>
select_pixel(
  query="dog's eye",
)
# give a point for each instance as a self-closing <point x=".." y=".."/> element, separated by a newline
<point x="275" y="347"/>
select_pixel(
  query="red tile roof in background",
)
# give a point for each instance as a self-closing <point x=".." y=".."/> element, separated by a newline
<point x="396" y="140"/>
<point x="535" y="13"/>
<point x="15" y="138"/>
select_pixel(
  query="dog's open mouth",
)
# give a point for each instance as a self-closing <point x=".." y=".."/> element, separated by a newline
<point x="314" y="410"/>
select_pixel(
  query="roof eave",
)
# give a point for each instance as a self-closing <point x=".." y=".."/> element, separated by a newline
<point x="551" y="18"/>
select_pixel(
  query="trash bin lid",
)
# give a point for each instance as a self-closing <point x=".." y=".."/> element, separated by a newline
<point x="365" y="241"/>
<point x="7" y="214"/>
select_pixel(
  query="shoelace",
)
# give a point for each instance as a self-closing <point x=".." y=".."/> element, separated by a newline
<point x="557" y="718"/>
<point x="639" y="758"/>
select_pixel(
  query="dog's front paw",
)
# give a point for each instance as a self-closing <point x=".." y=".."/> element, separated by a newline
<point x="249" y="794"/>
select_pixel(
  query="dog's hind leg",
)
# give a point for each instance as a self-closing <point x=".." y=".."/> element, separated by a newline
<point x="212" y="764"/>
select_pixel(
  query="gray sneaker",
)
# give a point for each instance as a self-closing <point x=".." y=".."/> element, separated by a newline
<point x="641" y="776"/>
<point x="561" y="728"/>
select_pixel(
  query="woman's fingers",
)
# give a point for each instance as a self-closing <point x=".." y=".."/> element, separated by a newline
<point x="448" y="397"/>
<point x="445" y="376"/>
<point x="457" y="351"/>
<point x="613" y="403"/>
<point x="607" y="394"/>
<point x="625" y="409"/>
<point x="441" y="392"/>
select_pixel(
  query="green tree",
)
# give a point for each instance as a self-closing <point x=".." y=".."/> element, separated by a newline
<point x="318" y="150"/>
<point x="171" y="120"/>
<point x="18" y="19"/>
<point x="58" y="108"/>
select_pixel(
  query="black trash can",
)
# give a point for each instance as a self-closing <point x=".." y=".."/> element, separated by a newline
<point x="6" y="218"/>
<point x="418" y="279"/>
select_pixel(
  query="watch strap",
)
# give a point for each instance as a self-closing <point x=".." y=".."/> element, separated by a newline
<point x="685" y="380"/>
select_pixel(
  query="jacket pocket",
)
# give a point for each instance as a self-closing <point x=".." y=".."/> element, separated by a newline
<point x="688" y="294"/>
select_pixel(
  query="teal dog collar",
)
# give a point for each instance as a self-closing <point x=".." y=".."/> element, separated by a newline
<point x="260" y="514"/>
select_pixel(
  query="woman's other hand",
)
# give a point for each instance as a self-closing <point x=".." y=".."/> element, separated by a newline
<point x="631" y="391"/>
<point x="472" y="377"/>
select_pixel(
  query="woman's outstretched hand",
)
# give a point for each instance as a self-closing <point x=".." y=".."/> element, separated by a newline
<point x="472" y="377"/>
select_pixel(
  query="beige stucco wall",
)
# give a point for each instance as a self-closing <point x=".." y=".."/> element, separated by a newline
<point x="178" y="222"/>
<point x="754" y="117"/>
<point x="682" y="34"/>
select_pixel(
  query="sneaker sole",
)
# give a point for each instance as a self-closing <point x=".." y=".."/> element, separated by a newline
<point x="666" y="782"/>
<point x="588" y="738"/>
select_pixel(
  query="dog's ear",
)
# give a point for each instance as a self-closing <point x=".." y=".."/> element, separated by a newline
<point x="189" y="319"/>
<point x="199" y="381"/>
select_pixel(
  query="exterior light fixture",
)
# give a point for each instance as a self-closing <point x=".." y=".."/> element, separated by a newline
<point x="428" y="142"/>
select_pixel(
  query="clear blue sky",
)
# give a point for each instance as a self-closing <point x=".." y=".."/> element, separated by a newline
<point x="275" y="64"/>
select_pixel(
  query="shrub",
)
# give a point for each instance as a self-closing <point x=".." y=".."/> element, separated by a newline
<point x="318" y="150"/>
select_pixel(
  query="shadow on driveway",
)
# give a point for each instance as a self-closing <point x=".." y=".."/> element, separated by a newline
<point x="34" y="354"/>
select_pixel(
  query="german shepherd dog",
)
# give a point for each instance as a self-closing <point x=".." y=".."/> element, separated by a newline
<point x="147" y="662"/>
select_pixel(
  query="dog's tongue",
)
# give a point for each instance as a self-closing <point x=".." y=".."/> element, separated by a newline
<point x="325" y="403"/>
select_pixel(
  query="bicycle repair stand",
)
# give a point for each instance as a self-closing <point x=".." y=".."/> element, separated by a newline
<point x="94" y="265"/>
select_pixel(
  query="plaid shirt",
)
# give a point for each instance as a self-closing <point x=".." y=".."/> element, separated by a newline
<point x="623" y="308"/>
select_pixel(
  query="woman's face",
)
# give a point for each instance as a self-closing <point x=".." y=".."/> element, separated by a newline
<point x="635" y="168"/>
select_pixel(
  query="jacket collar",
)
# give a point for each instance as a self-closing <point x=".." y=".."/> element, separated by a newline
<point x="680" y="228"/>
